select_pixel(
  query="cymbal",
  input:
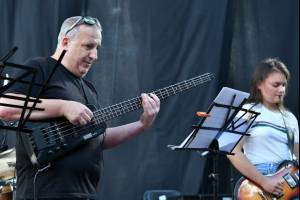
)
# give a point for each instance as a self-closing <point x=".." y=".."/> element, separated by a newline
<point x="6" y="192"/>
<point x="7" y="164"/>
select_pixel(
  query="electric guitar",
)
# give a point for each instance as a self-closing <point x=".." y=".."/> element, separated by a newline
<point x="247" y="190"/>
<point x="47" y="141"/>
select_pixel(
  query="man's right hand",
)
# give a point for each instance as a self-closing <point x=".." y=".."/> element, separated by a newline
<point x="76" y="113"/>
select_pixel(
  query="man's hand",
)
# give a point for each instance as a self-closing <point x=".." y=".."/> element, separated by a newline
<point x="151" y="106"/>
<point x="76" y="113"/>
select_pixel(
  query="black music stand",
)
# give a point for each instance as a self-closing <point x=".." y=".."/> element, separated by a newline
<point x="30" y="73"/>
<point x="27" y="72"/>
<point x="219" y="133"/>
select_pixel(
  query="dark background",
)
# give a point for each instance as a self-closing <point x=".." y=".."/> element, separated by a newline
<point x="149" y="44"/>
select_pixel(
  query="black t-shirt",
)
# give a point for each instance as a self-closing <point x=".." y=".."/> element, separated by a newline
<point x="76" y="174"/>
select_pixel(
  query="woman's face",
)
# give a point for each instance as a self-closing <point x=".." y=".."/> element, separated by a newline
<point x="273" y="89"/>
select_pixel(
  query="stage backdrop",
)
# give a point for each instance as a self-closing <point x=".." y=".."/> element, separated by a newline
<point x="148" y="45"/>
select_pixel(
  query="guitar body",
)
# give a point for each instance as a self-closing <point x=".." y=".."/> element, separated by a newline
<point x="247" y="190"/>
<point x="47" y="141"/>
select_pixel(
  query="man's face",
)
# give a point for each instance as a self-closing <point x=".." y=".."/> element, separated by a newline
<point x="82" y="50"/>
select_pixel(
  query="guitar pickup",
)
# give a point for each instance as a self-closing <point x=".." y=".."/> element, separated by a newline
<point x="87" y="136"/>
<point x="290" y="180"/>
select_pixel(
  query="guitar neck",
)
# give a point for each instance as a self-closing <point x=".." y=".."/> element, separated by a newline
<point x="110" y="112"/>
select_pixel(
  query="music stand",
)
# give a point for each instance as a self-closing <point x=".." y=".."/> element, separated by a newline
<point x="27" y="72"/>
<point x="30" y="73"/>
<point x="219" y="133"/>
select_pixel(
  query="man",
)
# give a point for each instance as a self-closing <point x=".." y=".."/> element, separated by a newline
<point x="75" y="175"/>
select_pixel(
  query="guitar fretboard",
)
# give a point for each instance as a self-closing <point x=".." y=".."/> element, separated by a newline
<point x="110" y="112"/>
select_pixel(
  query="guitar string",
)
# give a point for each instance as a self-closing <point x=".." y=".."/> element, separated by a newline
<point x="59" y="129"/>
<point x="64" y="134"/>
<point x="69" y="134"/>
<point x="110" y="110"/>
<point x="122" y="108"/>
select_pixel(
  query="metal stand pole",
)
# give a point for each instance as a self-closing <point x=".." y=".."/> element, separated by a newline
<point x="214" y="176"/>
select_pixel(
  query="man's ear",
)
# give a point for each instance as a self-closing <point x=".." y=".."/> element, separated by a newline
<point x="65" y="42"/>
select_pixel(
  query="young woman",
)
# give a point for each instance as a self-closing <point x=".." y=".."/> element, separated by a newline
<point x="268" y="144"/>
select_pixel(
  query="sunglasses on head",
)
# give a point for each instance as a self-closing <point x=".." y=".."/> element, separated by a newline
<point x="83" y="20"/>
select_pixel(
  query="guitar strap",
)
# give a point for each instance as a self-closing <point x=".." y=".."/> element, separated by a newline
<point x="88" y="96"/>
<point x="290" y="136"/>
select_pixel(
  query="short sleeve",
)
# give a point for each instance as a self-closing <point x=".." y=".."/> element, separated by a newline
<point x="20" y="87"/>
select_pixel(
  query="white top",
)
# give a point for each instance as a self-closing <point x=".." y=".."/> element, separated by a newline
<point x="268" y="141"/>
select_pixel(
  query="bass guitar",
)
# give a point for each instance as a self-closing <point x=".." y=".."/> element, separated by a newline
<point x="45" y="142"/>
<point x="245" y="189"/>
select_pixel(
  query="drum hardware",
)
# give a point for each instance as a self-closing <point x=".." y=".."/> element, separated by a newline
<point x="6" y="189"/>
<point x="7" y="174"/>
<point x="7" y="164"/>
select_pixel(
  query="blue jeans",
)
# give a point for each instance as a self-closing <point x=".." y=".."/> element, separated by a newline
<point x="267" y="168"/>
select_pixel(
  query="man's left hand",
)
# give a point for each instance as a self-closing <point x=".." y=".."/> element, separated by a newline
<point x="151" y="106"/>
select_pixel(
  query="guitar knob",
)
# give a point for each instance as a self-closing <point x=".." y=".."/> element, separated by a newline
<point x="64" y="146"/>
<point x="50" y="152"/>
<point x="57" y="149"/>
